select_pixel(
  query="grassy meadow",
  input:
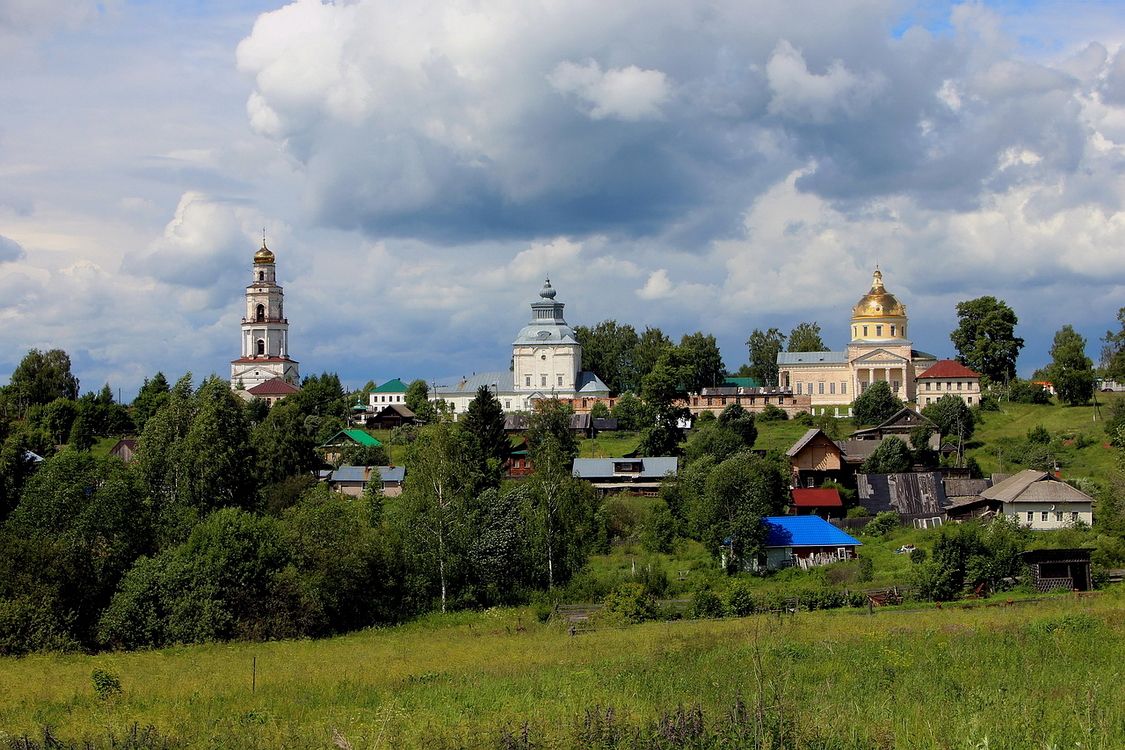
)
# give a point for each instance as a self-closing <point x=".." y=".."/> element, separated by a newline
<point x="1042" y="675"/>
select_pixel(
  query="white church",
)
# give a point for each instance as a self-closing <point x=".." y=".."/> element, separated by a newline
<point x="265" y="333"/>
<point x="546" y="363"/>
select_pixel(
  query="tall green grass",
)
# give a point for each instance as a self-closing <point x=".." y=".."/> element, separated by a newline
<point x="1045" y="675"/>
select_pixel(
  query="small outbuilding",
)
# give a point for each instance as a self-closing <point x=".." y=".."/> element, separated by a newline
<point x="125" y="449"/>
<point x="1067" y="569"/>
<point x="353" y="480"/>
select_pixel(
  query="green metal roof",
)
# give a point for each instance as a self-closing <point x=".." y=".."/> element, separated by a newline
<point x="391" y="386"/>
<point x="357" y="436"/>
<point x="743" y="382"/>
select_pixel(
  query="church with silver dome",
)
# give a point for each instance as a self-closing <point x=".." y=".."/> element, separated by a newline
<point x="546" y="363"/>
<point x="879" y="349"/>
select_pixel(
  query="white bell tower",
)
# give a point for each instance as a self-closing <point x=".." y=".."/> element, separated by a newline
<point x="265" y="330"/>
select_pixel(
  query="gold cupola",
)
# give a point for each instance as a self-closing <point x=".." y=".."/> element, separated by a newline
<point x="264" y="256"/>
<point x="878" y="315"/>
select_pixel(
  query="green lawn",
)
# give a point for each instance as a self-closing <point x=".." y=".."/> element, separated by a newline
<point x="609" y="445"/>
<point x="1046" y="675"/>
<point x="998" y="432"/>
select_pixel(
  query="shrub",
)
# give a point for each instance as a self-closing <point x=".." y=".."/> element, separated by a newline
<point x="740" y="598"/>
<point x="882" y="523"/>
<point x="627" y="604"/>
<point x="803" y="418"/>
<point x="1039" y="435"/>
<point x="772" y="413"/>
<point x="858" y="512"/>
<point x="918" y="556"/>
<point x="706" y="603"/>
<point x="106" y="684"/>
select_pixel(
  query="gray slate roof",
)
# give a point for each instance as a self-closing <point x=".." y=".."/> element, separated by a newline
<point x="499" y="379"/>
<point x="654" y="467"/>
<point x="910" y="494"/>
<point x="811" y="358"/>
<point x="802" y="442"/>
<point x="359" y="473"/>
<point x="1036" y="487"/>
<point x="590" y="383"/>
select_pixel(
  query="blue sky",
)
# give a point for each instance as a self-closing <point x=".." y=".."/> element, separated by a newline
<point x="418" y="168"/>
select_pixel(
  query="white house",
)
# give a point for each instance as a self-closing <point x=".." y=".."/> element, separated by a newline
<point x="1038" y="501"/>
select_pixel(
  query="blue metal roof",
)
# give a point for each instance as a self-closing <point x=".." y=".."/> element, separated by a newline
<point x="358" y="473"/>
<point x="805" y="531"/>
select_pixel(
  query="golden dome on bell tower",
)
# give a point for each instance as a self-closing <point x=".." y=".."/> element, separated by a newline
<point x="264" y="256"/>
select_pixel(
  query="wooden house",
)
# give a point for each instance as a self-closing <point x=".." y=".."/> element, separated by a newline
<point x="815" y="458"/>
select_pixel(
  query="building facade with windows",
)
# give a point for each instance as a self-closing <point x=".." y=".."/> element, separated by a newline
<point x="878" y="350"/>
<point x="546" y="363"/>
<point x="948" y="377"/>
<point x="265" y="330"/>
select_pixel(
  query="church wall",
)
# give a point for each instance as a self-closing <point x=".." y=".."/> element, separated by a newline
<point x="544" y="365"/>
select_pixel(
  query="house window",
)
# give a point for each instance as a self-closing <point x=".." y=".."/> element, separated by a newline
<point x="865" y="331"/>
<point x="799" y="391"/>
<point x="949" y="386"/>
<point x="560" y="379"/>
<point x="842" y="553"/>
<point x="832" y="388"/>
<point x="261" y="275"/>
<point x="507" y="404"/>
<point x="543" y="381"/>
<point x="958" y="385"/>
<point x="1030" y="516"/>
<point x="527" y="380"/>
<point x="927" y="399"/>
<point x="820" y="387"/>
<point x="1044" y="517"/>
<point x="1058" y="515"/>
<point x="1074" y="516"/>
<point x="844" y="387"/>
<point x="260" y="313"/>
<point x="261" y="347"/>
<point x="878" y="330"/>
<point x="892" y="330"/>
<point x="854" y="334"/>
<point x="896" y="384"/>
<point x="810" y="481"/>
<point x="970" y="399"/>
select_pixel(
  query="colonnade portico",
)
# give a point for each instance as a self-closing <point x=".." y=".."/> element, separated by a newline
<point x="888" y="374"/>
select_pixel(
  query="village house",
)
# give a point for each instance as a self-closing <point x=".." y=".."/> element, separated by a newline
<point x="353" y="480"/>
<point x="817" y="501"/>
<point x="333" y="448"/>
<point x="802" y="541"/>
<point x="1038" y="501"/>
<point x="124" y="449"/>
<point x="391" y="392"/>
<point x="815" y="458"/>
<point x="642" y="476"/>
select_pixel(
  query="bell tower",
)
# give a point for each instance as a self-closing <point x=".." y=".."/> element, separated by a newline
<point x="265" y="329"/>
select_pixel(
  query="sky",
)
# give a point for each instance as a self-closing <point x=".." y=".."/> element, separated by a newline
<point x="419" y="168"/>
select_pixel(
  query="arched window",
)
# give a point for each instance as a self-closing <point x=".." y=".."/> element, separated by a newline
<point x="261" y="313"/>
<point x="261" y="347"/>
<point x="261" y="275"/>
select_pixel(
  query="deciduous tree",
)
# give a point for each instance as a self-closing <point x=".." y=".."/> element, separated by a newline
<point x="875" y="404"/>
<point x="1113" y="353"/>
<point x="891" y="457"/>
<point x="764" y="347"/>
<point x="805" y="337"/>
<point x="985" y="338"/>
<point x="1071" y="370"/>
<point x="608" y="349"/>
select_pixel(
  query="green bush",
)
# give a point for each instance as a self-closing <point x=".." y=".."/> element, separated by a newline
<point x="740" y="598"/>
<point x="706" y="603"/>
<point x="106" y="684"/>
<point x="883" y="523"/>
<point x="628" y="604"/>
<point x="772" y="413"/>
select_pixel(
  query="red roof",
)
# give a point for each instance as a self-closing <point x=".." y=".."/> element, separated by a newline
<point x="273" y="387"/>
<point x="948" y="368"/>
<point x="817" y="497"/>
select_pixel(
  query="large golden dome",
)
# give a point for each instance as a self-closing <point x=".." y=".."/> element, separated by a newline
<point x="265" y="255"/>
<point x="878" y="302"/>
